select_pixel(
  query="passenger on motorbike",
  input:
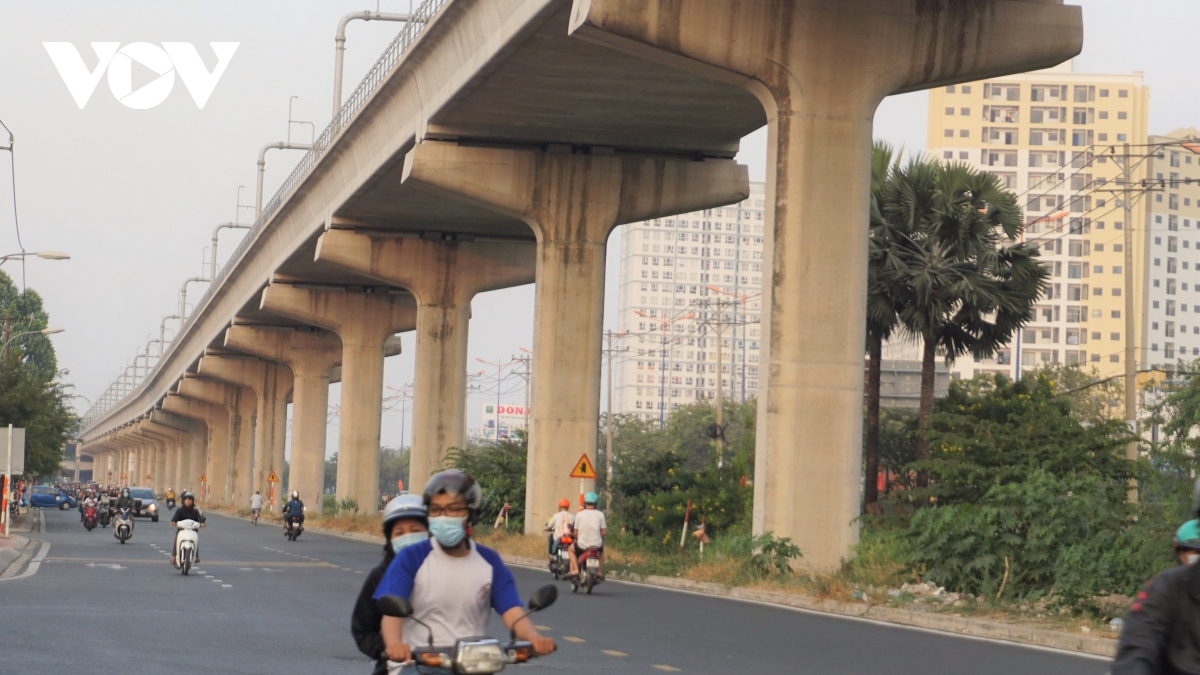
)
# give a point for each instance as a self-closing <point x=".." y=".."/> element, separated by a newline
<point x="447" y="578"/>
<point x="559" y="525"/>
<point x="88" y="501"/>
<point x="1159" y="635"/>
<point x="293" y="510"/>
<point x="590" y="530"/>
<point x="404" y="523"/>
<point x="187" y="511"/>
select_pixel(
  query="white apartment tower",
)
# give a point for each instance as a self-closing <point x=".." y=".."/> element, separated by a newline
<point x="700" y="275"/>
<point x="1172" y="290"/>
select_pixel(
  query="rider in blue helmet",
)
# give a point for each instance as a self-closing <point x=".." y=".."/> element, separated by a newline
<point x="1187" y="542"/>
<point x="1159" y="635"/>
<point x="590" y="530"/>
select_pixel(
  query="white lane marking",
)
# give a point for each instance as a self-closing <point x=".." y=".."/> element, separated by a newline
<point x="669" y="669"/>
<point x="613" y="652"/>
<point x="226" y="585"/>
<point x="34" y="565"/>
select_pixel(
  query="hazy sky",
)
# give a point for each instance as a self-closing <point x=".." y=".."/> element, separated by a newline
<point x="133" y="195"/>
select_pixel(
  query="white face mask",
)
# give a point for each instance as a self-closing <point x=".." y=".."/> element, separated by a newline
<point x="408" y="540"/>
<point x="1192" y="558"/>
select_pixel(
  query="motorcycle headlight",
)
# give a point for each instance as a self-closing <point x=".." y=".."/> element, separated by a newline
<point x="480" y="656"/>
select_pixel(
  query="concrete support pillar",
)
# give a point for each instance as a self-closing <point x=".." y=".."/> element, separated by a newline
<point x="310" y="354"/>
<point x="192" y="440"/>
<point x="166" y="471"/>
<point x="820" y="69"/>
<point x="229" y="476"/>
<point x="210" y="471"/>
<point x="271" y="383"/>
<point x="572" y="202"/>
<point x="364" y="321"/>
<point x="443" y="275"/>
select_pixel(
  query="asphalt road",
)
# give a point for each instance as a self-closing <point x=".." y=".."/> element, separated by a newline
<point x="261" y="604"/>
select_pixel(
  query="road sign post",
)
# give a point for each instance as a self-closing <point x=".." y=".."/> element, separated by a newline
<point x="271" y="481"/>
<point x="583" y="470"/>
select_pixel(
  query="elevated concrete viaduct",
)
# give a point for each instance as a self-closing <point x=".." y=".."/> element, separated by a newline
<point x="499" y="136"/>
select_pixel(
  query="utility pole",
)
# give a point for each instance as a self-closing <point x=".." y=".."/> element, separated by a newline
<point x="718" y="323"/>
<point x="1126" y="190"/>
<point x="610" y="353"/>
<point x="665" y="323"/>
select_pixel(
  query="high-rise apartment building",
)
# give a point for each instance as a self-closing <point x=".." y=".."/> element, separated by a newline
<point x="1049" y="136"/>
<point x="1171" y="320"/>
<point x="698" y="275"/>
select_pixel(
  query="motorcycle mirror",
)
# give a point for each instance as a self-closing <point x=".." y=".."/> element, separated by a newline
<point x="394" y="605"/>
<point x="543" y="598"/>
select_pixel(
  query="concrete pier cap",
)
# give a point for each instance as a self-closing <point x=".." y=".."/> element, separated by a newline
<point x="820" y="68"/>
<point x="572" y="198"/>
<point x="443" y="274"/>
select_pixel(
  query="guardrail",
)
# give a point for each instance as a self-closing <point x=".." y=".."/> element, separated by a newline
<point x="420" y="17"/>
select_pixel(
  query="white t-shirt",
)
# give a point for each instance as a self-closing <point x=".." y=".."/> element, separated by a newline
<point x="256" y="501"/>
<point x="560" y="524"/>
<point x="452" y="595"/>
<point x="588" y="524"/>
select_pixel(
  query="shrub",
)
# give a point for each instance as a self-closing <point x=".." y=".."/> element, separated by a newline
<point x="329" y="505"/>
<point x="348" y="505"/>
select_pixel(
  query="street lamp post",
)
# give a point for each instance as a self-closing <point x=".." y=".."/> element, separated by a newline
<point x="44" y="255"/>
<point x="44" y="331"/>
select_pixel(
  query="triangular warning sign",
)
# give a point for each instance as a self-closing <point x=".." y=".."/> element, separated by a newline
<point x="583" y="468"/>
<point x="272" y="478"/>
<point x="202" y="478"/>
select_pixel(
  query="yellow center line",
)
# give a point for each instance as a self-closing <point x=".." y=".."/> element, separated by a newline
<point x="669" y="669"/>
<point x="572" y="638"/>
<point x="541" y="627"/>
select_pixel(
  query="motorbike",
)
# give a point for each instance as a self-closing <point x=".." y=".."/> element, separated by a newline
<point x="189" y="542"/>
<point x="123" y="525"/>
<point x="293" y="529"/>
<point x="103" y="514"/>
<point x="170" y="502"/>
<point x="560" y="560"/>
<point x="468" y="655"/>
<point x="90" y="518"/>
<point x="589" y="570"/>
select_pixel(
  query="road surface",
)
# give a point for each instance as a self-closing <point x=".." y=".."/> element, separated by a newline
<point x="261" y="604"/>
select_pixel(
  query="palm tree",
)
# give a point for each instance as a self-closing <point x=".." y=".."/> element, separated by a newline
<point x="968" y="284"/>
<point x="883" y="266"/>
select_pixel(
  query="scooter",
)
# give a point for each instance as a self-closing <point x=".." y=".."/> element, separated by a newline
<point x="468" y="655"/>
<point x="103" y="514"/>
<point x="293" y="529"/>
<point x="90" y="518"/>
<point x="123" y="525"/>
<point x="170" y="503"/>
<point x="560" y="560"/>
<point x="589" y="570"/>
<point x="189" y="544"/>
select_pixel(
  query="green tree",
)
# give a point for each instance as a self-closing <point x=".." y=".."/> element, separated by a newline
<point x="884" y="282"/>
<point x="500" y="470"/>
<point x="393" y="466"/>
<point x="991" y="431"/>
<point x="30" y="395"/>
<point x="966" y="285"/>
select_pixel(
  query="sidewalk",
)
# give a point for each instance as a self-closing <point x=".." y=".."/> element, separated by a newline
<point x="18" y="547"/>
